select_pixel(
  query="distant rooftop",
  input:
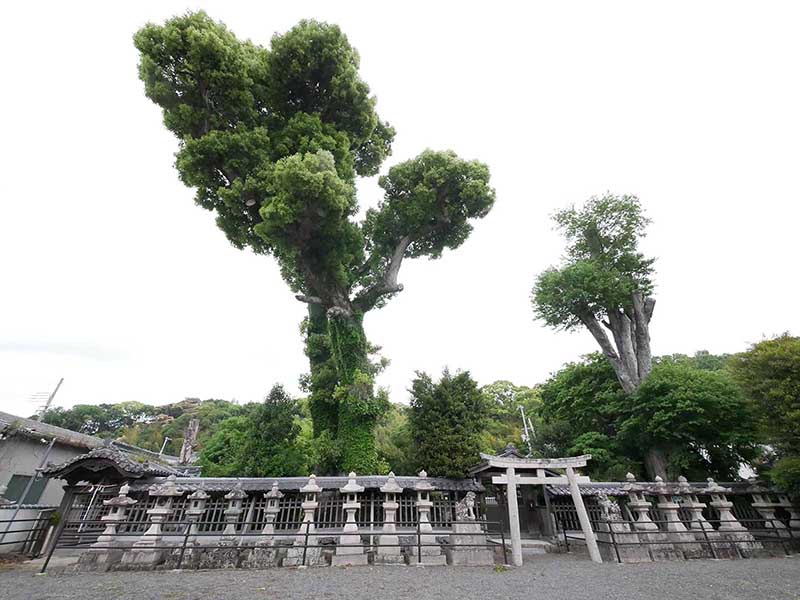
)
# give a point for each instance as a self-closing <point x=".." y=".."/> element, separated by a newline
<point x="36" y="429"/>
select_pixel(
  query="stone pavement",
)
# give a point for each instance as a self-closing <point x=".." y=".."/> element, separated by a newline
<point x="550" y="577"/>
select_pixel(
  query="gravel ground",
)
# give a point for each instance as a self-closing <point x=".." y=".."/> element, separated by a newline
<point x="551" y="577"/>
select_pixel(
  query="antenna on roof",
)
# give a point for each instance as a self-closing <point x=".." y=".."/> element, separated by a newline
<point x="47" y="402"/>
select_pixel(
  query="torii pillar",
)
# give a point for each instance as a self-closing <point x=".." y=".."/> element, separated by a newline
<point x="583" y="516"/>
<point x="513" y="517"/>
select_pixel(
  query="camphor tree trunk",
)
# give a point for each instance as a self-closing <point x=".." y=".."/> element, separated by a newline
<point x="630" y="355"/>
<point x="355" y="395"/>
<point x="655" y="463"/>
<point x="323" y="375"/>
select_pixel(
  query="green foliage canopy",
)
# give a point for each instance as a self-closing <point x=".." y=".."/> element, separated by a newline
<point x="446" y="418"/>
<point x="699" y="417"/>
<point x="769" y="373"/>
<point x="263" y="442"/>
<point x="603" y="266"/>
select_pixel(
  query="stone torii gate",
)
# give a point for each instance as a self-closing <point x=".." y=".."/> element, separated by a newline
<point x="538" y="471"/>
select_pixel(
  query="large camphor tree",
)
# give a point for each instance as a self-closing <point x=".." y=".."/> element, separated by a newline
<point x="605" y="286"/>
<point x="273" y="140"/>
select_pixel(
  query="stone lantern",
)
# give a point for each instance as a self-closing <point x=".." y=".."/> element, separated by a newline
<point x="697" y="522"/>
<point x="310" y="504"/>
<point x="658" y="542"/>
<point x="147" y="549"/>
<point x="273" y="497"/>
<point x="349" y="551"/>
<point x="638" y="504"/>
<point x="428" y="550"/>
<point x="189" y="553"/>
<point x="676" y="530"/>
<point x="197" y="506"/>
<point x="106" y="551"/>
<point x="294" y="556"/>
<point x="235" y="500"/>
<point x="766" y="508"/>
<point x="729" y="526"/>
<point x="119" y="505"/>
<point x="792" y="509"/>
<point x="719" y="501"/>
<point x="266" y="551"/>
<point x="388" y="542"/>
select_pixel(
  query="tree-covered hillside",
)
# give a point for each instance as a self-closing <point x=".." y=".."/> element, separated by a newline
<point x="708" y="413"/>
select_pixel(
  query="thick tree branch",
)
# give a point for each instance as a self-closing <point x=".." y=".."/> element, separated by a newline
<point x="309" y="299"/>
<point x="388" y="283"/>
<point x="621" y="329"/>
<point x="644" y="359"/>
<point x="649" y="305"/>
<point x="600" y="336"/>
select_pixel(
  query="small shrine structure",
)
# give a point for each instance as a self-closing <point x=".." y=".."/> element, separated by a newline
<point x="513" y="470"/>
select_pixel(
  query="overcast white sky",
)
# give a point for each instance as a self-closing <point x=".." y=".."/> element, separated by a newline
<point x="113" y="279"/>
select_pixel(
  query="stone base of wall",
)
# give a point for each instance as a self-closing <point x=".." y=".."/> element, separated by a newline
<point x="262" y="557"/>
<point x="98" y="560"/>
<point x="660" y="546"/>
<point x="347" y="560"/>
<point x="294" y="557"/>
<point x="390" y="559"/>
<point x="469" y="550"/>
<point x="746" y="544"/>
<point x="141" y="560"/>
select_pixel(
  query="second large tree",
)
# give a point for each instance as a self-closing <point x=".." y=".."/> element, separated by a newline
<point x="273" y="140"/>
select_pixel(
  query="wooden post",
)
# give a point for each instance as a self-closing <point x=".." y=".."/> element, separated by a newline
<point x="583" y="516"/>
<point x="513" y="517"/>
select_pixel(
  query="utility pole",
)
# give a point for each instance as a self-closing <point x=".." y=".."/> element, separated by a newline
<point x="527" y="436"/>
<point x="49" y="400"/>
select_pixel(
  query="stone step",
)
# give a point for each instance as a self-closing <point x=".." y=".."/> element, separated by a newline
<point x="531" y="547"/>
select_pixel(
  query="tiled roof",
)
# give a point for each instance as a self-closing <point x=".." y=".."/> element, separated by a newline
<point x="264" y="484"/>
<point x="36" y="429"/>
<point x="31" y="428"/>
<point x="615" y="488"/>
<point x="122" y="460"/>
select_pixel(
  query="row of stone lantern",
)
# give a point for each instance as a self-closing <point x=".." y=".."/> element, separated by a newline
<point x="646" y="540"/>
<point x="303" y="549"/>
